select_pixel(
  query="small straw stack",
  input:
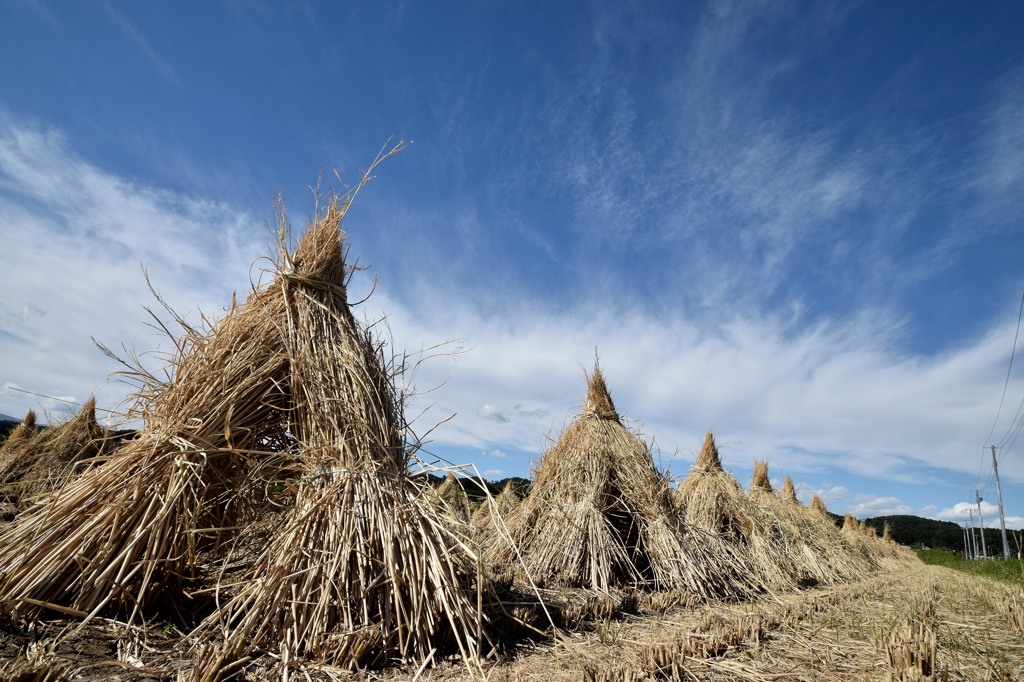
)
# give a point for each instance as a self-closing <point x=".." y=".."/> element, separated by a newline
<point x="823" y="553"/>
<point x="26" y="428"/>
<point x="452" y="499"/>
<point x="599" y="516"/>
<point x="714" y="501"/>
<point x="845" y="549"/>
<point x="784" y="528"/>
<point x="500" y="506"/>
<point x="36" y="465"/>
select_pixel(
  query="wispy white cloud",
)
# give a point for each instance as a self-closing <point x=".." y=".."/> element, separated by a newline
<point x="831" y="397"/>
<point x="40" y="8"/>
<point x="78" y="239"/>
<point x="129" y="29"/>
<point x="1000" y="166"/>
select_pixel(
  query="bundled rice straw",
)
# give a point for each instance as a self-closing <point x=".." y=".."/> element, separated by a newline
<point x="362" y="570"/>
<point x="864" y="541"/>
<point x="812" y="558"/>
<point x="501" y="505"/>
<point x="42" y="463"/>
<point x="453" y="499"/>
<point x="713" y="500"/>
<point x="852" y="556"/>
<point x="599" y="515"/>
<point x="26" y="428"/>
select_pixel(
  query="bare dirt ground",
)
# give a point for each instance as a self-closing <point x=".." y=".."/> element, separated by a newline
<point x="926" y="623"/>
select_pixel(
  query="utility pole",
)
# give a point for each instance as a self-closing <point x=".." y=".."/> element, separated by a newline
<point x="999" y="496"/>
<point x="981" y="523"/>
<point x="967" y="549"/>
<point x="974" y="547"/>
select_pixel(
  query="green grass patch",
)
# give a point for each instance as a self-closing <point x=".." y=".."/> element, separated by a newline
<point x="1010" y="571"/>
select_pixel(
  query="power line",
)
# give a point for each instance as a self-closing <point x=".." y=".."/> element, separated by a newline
<point x="1008" y="370"/>
<point x="1002" y="398"/>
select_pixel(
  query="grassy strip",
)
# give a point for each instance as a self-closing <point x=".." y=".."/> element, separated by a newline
<point x="1011" y="572"/>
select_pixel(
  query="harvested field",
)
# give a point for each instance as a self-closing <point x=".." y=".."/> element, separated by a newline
<point x="912" y="625"/>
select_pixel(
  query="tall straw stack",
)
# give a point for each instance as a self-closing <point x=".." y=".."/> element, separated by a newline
<point x="599" y="516"/>
<point x="713" y="500"/>
<point x="287" y="391"/>
<point x="362" y="571"/>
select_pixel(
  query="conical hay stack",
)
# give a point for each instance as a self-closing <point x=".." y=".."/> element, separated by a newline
<point x="141" y="524"/>
<point x="26" y="428"/>
<point x="810" y="556"/>
<point x="709" y="498"/>
<point x="849" y="523"/>
<point x="501" y="505"/>
<point x="713" y="500"/>
<point x="360" y="572"/>
<point x="864" y="540"/>
<point x="843" y="552"/>
<point x="453" y="499"/>
<point x="761" y="481"/>
<point x="788" y="493"/>
<point x="599" y="515"/>
<point x="890" y="554"/>
<point x="41" y="464"/>
<point x="857" y="540"/>
<point x="827" y="556"/>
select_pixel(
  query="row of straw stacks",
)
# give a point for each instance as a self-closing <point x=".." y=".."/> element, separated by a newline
<point x="34" y="462"/>
<point x="268" y="500"/>
<point x="601" y="516"/>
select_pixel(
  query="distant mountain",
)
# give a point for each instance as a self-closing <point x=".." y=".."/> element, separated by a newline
<point x="8" y="418"/>
<point x="914" y="530"/>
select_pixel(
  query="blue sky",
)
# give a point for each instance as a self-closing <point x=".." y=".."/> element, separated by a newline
<point x="796" y="224"/>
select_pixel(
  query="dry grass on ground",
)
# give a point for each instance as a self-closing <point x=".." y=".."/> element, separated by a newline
<point x="926" y="623"/>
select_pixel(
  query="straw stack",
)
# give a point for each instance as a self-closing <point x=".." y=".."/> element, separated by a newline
<point x="26" y="428"/>
<point x="818" y="560"/>
<point x="362" y="571"/>
<point x="857" y="560"/>
<point x="34" y="465"/>
<point x="827" y="555"/>
<point x="286" y="392"/>
<point x="500" y="506"/>
<point x="599" y="516"/>
<point x="714" y="501"/>
<point x="453" y="500"/>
